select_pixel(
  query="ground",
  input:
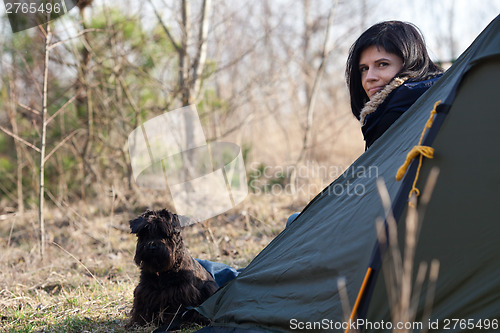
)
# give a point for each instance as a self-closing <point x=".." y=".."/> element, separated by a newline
<point x="86" y="279"/>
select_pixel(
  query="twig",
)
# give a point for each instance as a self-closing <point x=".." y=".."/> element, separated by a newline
<point x="61" y="143"/>
<point x="63" y="107"/>
<point x="6" y="131"/>
<point x="417" y="289"/>
<point x="170" y="37"/>
<point x="314" y="92"/>
<point x="392" y="230"/>
<point x="29" y="108"/>
<point x="408" y="262"/>
<point x="81" y="263"/>
<point x="431" y="290"/>
<point x="11" y="230"/>
<point x="175" y="315"/>
<point x="7" y="192"/>
<point x="73" y="37"/>
<point x="344" y="298"/>
<point x="59" y="205"/>
<point x="213" y="239"/>
<point x="404" y="294"/>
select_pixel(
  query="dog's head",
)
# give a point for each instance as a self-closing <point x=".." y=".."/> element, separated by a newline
<point x="159" y="241"/>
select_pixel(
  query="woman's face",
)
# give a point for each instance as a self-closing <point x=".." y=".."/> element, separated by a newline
<point x="377" y="68"/>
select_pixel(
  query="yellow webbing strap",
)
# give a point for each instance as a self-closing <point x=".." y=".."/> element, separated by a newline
<point x="418" y="150"/>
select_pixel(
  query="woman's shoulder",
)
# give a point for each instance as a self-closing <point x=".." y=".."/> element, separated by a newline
<point x="412" y="86"/>
<point x="400" y="91"/>
<point x="410" y="91"/>
<point x="392" y="106"/>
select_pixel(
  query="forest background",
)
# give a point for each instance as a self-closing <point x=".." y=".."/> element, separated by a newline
<point x="266" y="75"/>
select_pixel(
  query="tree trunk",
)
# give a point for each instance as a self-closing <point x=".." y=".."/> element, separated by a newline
<point x="19" y="153"/>
<point x="43" y="135"/>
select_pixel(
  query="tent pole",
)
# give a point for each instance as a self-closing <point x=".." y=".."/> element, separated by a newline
<point x="360" y="296"/>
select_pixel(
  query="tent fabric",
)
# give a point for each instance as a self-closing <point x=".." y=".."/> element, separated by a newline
<point x="295" y="278"/>
<point x="461" y="227"/>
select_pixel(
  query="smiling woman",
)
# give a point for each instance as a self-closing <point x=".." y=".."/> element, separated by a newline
<point x="387" y="70"/>
<point x="378" y="68"/>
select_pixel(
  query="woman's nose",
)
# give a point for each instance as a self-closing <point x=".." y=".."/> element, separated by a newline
<point x="371" y="75"/>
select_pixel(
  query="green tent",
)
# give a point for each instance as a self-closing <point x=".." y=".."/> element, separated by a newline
<point x="293" y="284"/>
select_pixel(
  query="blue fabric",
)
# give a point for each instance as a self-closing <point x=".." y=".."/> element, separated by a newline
<point x="221" y="273"/>
<point x="394" y="105"/>
<point x="291" y="218"/>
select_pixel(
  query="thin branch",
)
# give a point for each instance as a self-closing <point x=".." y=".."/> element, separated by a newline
<point x="29" y="108"/>
<point x="167" y="31"/>
<point x="129" y="96"/>
<point x="6" y="131"/>
<point x="232" y="129"/>
<point x="255" y="43"/>
<point x="6" y="191"/>
<point x="78" y="261"/>
<point x="344" y="298"/>
<point x="63" y="107"/>
<point x="431" y="290"/>
<point x="30" y="72"/>
<point x="59" y="145"/>
<point x="319" y="74"/>
<point x="43" y="31"/>
<point x="199" y="61"/>
<point x="73" y="37"/>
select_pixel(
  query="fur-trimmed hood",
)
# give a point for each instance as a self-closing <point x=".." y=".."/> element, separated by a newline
<point x="372" y="105"/>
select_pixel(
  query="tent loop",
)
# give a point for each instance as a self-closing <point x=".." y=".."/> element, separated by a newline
<point x="418" y="150"/>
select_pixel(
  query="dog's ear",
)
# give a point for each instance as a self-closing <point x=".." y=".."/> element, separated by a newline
<point x="177" y="220"/>
<point x="137" y="224"/>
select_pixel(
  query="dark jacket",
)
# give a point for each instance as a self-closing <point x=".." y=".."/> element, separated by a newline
<point x="392" y="106"/>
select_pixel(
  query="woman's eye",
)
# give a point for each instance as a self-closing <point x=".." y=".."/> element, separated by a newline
<point x="363" y="69"/>
<point x="383" y="64"/>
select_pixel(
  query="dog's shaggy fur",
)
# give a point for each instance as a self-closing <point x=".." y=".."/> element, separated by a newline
<point x="170" y="278"/>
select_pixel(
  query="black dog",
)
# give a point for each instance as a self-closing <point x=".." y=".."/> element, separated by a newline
<point x="171" y="279"/>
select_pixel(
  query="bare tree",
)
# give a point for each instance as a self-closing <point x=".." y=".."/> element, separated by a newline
<point x="190" y="66"/>
<point x="313" y="91"/>
<point x="84" y="99"/>
<point x="41" y="218"/>
<point x="45" y="119"/>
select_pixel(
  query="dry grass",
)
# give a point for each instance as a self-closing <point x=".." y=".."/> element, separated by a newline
<point x="86" y="281"/>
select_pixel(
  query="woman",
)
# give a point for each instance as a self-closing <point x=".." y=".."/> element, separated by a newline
<point x="388" y="69"/>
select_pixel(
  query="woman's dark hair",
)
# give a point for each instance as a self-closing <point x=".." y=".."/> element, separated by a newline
<point x="400" y="38"/>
